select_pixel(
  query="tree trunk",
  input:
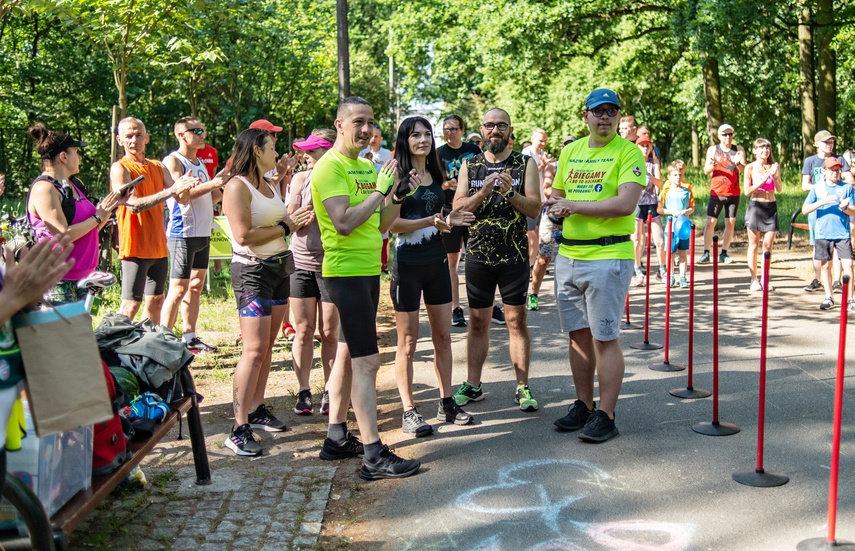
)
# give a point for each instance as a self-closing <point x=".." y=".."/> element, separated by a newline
<point x="826" y="93"/>
<point x="696" y="147"/>
<point x="343" y="52"/>
<point x="712" y="97"/>
<point x="806" y="74"/>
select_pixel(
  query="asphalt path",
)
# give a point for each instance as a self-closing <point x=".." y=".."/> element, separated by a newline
<point x="513" y="482"/>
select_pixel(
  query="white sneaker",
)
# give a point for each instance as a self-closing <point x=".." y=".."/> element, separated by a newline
<point x="755" y="286"/>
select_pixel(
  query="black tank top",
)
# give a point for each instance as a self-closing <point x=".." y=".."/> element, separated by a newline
<point x="498" y="235"/>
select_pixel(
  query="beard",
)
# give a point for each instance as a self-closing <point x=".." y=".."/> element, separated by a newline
<point x="497" y="147"/>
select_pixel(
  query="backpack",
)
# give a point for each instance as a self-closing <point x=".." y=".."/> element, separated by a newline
<point x="111" y="437"/>
<point x="69" y="204"/>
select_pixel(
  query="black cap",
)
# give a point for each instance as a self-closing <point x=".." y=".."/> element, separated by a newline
<point x="62" y="145"/>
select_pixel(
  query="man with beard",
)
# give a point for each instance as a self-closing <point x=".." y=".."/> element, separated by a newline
<point x="501" y="187"/>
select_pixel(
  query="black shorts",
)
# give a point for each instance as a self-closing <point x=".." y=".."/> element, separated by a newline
<point x="762" y="216"/>
<point x="482" y="280"/>
<point x="188" y="254"/>
<point x="410" y="281"/>
<point x="531" y="224"/>
<point x="452" y="240"/>
<point x="642" y="210"/>
<point x="255" y="284"/>
<point x="357" y="298"/>
<point x="308" y="284"/>
<point x="143" y="274"/>
<point x="823" y="249"/>
<point x="726" y="203"/>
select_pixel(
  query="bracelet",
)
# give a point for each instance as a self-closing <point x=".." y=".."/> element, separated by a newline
<point x="97" y="219"/>
<point x="285" y="227"/>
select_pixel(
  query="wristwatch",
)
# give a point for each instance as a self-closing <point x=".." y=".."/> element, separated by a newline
<point x="510" y="194"/>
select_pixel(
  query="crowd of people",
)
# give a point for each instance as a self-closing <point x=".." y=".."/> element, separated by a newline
<point x="308" y="249"/>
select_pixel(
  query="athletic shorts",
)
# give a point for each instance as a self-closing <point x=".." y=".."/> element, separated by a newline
<point x="257" y="289"/>
<point x="143" y="275"/>
<point x="482" y="280"/>
<point x="812" y="226"/>
<point x="532" y="223"/>
<point x="762" y="216"/>
<point x="592" y="294"/>
<point x="411" y="281"/>
<point x="357" y="298"/>
<point x="308" y="284"/>
<point x="641" y="211"/>
<point x="190" y="253"/>
<point x="823" y="249"/>
<point x="718" y="203"/>
<point x="453" y="239"/>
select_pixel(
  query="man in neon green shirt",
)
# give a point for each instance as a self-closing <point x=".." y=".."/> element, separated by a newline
<point x="349" y="198"/>
<point x="596" y="189"/>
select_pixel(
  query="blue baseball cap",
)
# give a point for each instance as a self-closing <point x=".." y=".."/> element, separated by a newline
<point x="602" y="96"/>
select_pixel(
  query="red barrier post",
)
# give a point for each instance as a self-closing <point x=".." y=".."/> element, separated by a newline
<point x="666" y="364"/>
<point x="646" y="345"/>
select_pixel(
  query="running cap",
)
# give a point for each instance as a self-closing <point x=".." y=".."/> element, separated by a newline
<point x="823" y="136"/>
<point x="723" y="128"/>
<point x="62" y="145"/>
<point x="264" y="124"/>
<point x="312" y="142"/>
<point x="475" y="135"/>
<point x="642" y="140"/>
<point x="602" y="96"/>
<point x="569" y="139"/>
<point x="832" y="163"/>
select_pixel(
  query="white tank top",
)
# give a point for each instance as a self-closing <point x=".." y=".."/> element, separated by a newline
<point x="264" y="212"/>
<point x="196" y="218"/>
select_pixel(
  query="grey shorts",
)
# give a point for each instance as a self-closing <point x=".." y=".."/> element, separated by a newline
<point x="591" y="294"/>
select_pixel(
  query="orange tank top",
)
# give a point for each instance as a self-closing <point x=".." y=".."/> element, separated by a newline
<point x="725" y="176"/>
<point x="143" y="235"/>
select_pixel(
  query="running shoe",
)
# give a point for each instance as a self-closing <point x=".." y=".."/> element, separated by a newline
<point x="288" y="331"/>
<point x="242" y="441"/>
<point x="577" y="415"/>
<point x="599" y="428"/>
<point x="673" y="281"/>
<point x="524" y="400"/>
<point x="325" y="402"/>
<point x="196" y="346"/>
<point x="683" y="281"/>
<point x="413" y="423"/>
<point x="755" y="286"/>
<point x="262" y="419"/>
<point x="638" y="280"/>
<point x="813" y="286"/>
<point x="704" y="259"/>
<point x="388" y="465"/>
<point x="352" y="447"/>
<point x="454" y="414"/>
<point x="457" y="319"/>
<point x="468" y="393"/>
<point x="836" y="288"/>
<point x="724" y="258"/>
<point x="498" y="315"/>
<point x="851" y="306"/>
<point x="304" y="403"/>
<point x="533" y="302"/>
<point x="662" y="275"/>
<point x="827" y="304"/>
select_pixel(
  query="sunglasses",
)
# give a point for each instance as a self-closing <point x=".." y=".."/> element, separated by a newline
<point x="197" y="131"/>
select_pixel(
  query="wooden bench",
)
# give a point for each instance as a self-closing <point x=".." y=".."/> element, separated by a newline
<point x="795" y="225"/>
<point x="51" y="534"/>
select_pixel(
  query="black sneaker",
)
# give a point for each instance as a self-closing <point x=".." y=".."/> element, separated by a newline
<point x="304" y="403"/>
<point x="813" y="286"/>
<point x="453" y="413"/>
<point x="261" y="418"/>
<point x="242" y="441"/>
<point x="388" y="465"/>
<point x="827" y="304"/>
<point x="413" y="423"/>
<point x="325" y="402"/>
<point x="352" y="447"/>
<point x="457" y="319"/>
<point x="498" y="315"/>
<point x="836" y="288"/>
<point x="599" y="428"/>
<point x="196" y="346"/>
<point x="577" y="416"/>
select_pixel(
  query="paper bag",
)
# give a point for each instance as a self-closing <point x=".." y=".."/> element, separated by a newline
<point x="62" y="369"/>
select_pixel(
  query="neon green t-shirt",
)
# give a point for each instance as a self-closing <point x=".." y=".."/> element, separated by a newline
<point x="586" y="174"/>
<point x="357" y="254"/>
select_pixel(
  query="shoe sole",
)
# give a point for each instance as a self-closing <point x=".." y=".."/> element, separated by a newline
<point x="468" y="399"/>
<point x="527" y="408"/>
<point x="303" y="411"/>
<point x="567" y="428"/>
<point x="366" y="475"/>
<point x="232" y="446"/>
<point x="599" y="439"/>
<point x="267" y="428"/>
<point x="451" y="419"/>
<point x="337" y="456"/>
<point x="458" y="324"/>
<point x="497" y="322"/>
<point x="420" y="432"/>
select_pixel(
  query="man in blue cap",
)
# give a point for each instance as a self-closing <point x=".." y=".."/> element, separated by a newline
<point x="596" y="189"/>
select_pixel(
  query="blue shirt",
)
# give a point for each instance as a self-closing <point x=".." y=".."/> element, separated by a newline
<point x="831" y="222"/>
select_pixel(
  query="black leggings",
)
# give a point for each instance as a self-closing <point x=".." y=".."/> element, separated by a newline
<point x="357" y="299"/>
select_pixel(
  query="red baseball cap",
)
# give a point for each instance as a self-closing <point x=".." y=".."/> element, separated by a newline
<point x="643" y="140"/>
<point x="264" y="124"/>
<point x="832" y="163"/>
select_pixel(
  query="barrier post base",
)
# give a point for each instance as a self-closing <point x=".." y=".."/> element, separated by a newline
<point x="690" y="393"/>
<point x="627" y="325"/>
<point x="760" y="478"/>
<point x="646" y="345"/>
<point x="667" y="366"/>
<point x="821" y="544"/>
<point x="716" y="429"/>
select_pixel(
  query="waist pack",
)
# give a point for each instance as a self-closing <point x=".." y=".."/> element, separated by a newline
<point x="281" y="264"/>
<point x="110" y="449"/>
